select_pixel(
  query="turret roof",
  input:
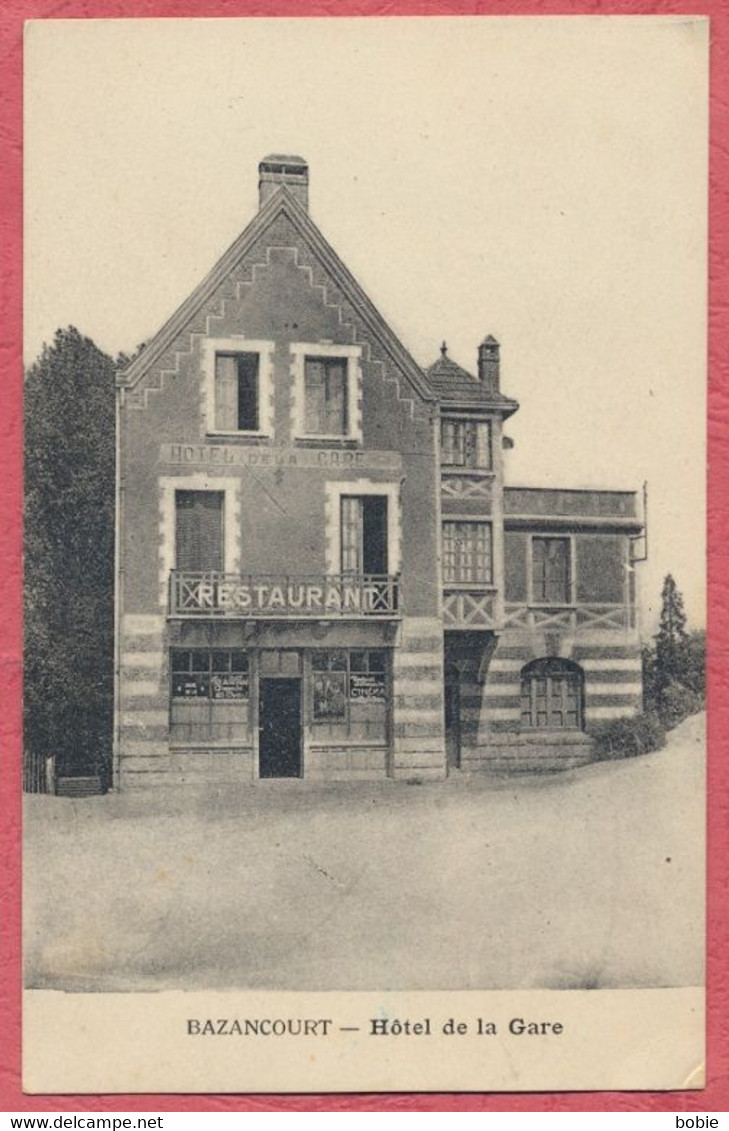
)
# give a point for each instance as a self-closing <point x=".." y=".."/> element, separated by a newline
<point x="455" y="385"/>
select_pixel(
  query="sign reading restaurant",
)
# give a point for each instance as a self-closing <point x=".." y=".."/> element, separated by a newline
<point x="226" y="595"/>
<point x="229" y="455"/>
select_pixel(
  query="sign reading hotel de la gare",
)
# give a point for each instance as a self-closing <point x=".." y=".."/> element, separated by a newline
<point x="265" y="455"/>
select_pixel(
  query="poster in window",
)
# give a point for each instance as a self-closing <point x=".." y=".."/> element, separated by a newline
<point x="229" y="685"/>
<point x="186" y="686"/>
<point x="367" y="687"/>
<point x="330" y="700"/>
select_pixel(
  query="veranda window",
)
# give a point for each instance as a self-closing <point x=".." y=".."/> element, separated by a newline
<point x="551" y="573"/>
<point x="467" y="555"/>
<point x="465" y="443"/>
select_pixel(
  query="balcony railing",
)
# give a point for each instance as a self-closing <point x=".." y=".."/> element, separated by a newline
<point x="573" y="618"/>
<point x="208" y="593"/>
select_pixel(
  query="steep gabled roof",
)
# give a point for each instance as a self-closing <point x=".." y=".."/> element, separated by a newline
<point x="282" y="202"/>
<point x="456" y="387"/>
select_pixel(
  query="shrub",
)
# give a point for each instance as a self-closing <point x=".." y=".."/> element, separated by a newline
<point x="676" y="702"/>
<point x="625" y="738"/>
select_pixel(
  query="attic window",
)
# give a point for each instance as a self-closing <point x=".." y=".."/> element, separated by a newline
<point x="327" y="392"/>
<point x="236" y="392"/>
<point x="239" y="386"/>
<point x="325" y="396"/>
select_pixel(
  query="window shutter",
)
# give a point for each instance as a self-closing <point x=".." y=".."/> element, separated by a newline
<point x="226" y="394"/>
<point x="314" y="395"/>
<point x="199" y="530"/>
<point x="335" y="423"/>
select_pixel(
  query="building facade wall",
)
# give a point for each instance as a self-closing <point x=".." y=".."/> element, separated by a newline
<point x="461" y="665"/>
<point x="281" y="498"/>
<point x="596" y="633"/>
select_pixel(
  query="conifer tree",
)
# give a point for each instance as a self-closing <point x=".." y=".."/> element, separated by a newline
<point x="671" y="638"/>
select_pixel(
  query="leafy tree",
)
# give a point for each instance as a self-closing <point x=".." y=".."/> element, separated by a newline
<point x="693" y="662"/>
<point x="69" y="553"/>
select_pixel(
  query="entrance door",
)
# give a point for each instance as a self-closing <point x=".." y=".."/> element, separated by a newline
<point x="453" y="719"/>
<point x="279" y="728"/>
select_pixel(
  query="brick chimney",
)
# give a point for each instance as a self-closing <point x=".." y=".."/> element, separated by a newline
<point x="488" y="363"/>
<point x="278" y="169"/>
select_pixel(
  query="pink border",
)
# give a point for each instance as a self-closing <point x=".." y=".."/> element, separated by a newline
<point x="716" y="1096"/>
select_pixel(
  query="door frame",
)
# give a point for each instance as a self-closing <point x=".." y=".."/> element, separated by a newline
<point x="257" y="724"/>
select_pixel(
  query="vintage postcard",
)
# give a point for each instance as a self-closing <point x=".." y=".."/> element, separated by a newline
<point x="364" y="541"/>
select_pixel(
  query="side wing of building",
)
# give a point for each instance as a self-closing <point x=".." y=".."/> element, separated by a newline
<point x="567" y="653"/>
<point x="540" y="625"/>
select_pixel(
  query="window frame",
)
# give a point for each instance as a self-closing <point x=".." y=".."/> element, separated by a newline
<point x="465" y="468"/>
<point x="346" y="672"/>
<point x="359" y="528"/>
<point x="540" y="669"/>
<point x="571" y="566"/>
<point x="459" y="583"/>
<point x="328" y="364"/>
<point x="333" y="492"/>
<point x="185" y="490"/>
<point x="351" y="356"/>
<point x="233" y="347"/>
<point x="207" y="702"/>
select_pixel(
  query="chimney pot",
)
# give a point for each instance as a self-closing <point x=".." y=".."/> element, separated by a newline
<point x="488" y="362"/>
<point x="280" y="169"/>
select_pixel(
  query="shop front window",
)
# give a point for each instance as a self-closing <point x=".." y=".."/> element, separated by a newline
<point x="209" y="696"/>
<point x="349" y="693"/>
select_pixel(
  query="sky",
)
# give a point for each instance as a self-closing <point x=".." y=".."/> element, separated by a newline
<point x="540" y="179"/>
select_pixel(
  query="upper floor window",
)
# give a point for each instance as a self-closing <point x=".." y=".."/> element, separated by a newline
<point x="239" y="386"/>
<point x="237" y="392"/>
<point x="199" y="530"/>
<point x="326" y="411"/>
<point x="465" y="443"/>
<point x="551" y="571"/>
<point x="467" y="556"/>
<point x="364" y="532"/>
<point x="327" y="391"/>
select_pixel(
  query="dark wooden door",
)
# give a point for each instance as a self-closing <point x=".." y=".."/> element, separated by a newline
<point x="279" y="728"/>
<point x="453" y="720"/>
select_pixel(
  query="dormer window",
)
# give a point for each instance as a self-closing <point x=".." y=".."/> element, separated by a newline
<point x="465" y="443"/>
<point x="239" y="387"/>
